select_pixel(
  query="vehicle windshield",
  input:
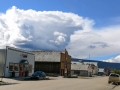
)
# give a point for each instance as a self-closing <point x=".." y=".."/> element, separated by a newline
<point x="114" y="75"/>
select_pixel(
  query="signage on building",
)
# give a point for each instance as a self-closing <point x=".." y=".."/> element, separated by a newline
<point x="24" y="56"/>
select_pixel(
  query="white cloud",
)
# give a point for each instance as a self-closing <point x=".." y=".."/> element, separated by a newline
<point x="60" y="38"/>
<point x="47" y="30"/>
<point x="116" y="59"/>
<point x="95" y="42"/>
<point x="59" y="34"/>
<point x="56" y="30"/>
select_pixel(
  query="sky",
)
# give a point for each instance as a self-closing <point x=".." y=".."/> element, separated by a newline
<point x="87" y="29"/>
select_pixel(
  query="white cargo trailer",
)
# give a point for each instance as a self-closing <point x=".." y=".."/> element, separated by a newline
<point x="101" y="71"/>
<point x="16" y="61"/>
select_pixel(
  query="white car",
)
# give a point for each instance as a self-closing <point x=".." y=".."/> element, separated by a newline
<point x="114" y="78"/>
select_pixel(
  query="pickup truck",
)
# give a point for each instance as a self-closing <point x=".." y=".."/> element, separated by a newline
<point x="114" y="78"/>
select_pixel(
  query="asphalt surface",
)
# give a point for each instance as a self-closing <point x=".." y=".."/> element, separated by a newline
<point x="59" y="83"/>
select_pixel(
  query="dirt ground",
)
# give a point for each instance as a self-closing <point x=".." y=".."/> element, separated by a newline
<point x="60" y="83"/>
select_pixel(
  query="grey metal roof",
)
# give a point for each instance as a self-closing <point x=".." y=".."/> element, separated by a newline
<point x="19" y="50"/>
<point x="47" y="56"/>
<point x="79" y="66"/>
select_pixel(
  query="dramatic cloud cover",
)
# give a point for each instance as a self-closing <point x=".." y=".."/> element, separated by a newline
<point x="57" y="30"/>
<point x="47" y="30"/>
<point x="96" y="42"/>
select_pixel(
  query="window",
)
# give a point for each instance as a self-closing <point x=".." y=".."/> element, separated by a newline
<point x="16" y="67"/>
<point x="13" y="67"/>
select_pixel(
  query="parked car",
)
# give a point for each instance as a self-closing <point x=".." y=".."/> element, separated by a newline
<point x="114" y="78"/>
<point x="38" y="75"/>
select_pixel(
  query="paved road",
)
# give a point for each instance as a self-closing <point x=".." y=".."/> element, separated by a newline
<point x="59" y="83"/>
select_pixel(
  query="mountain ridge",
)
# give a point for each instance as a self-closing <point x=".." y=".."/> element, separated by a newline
<point x="101" y="64"/>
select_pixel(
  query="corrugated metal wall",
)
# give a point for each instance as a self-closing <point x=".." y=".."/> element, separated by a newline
<point x="2" y="61"/>
<point x="83" y="73"/>
<point x="48" y="67"/>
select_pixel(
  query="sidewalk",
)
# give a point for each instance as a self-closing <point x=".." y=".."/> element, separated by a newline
<point x="8" y="81"/>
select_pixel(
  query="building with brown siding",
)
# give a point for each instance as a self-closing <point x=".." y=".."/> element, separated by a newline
<point x="53" y="62"/>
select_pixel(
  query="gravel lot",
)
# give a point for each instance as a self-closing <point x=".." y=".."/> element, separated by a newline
<point x="60" y="83"/>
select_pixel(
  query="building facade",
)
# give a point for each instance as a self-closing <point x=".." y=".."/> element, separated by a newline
<point x="15" y="60"/>
<point x="84" y="68"/>
<point x="53" y="62"/>
<point x="79" y="68"/>
<point x="94" y="66"/>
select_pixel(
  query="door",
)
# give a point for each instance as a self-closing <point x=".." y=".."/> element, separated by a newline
<point x="20" y="70"/>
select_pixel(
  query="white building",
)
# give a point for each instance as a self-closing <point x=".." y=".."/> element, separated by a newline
<point x="84" y="68"/>
<point x="94" y="66"/>
<point x="17" y="61"/>
<point x="81" y="69"/>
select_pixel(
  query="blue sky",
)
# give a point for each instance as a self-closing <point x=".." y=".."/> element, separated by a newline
<point x="99" y="10"/>
<point x="96" y="16"/>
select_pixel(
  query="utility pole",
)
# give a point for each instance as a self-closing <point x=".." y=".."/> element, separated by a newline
<point x="89" y="56"/>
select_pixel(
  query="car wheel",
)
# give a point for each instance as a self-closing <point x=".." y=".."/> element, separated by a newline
<point x="44" y="78"/>
<point x="40" y="78"/>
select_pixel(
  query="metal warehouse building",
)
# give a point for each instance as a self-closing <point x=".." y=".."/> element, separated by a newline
<point x="53" y="62"/>
<point x="17" y="61"/>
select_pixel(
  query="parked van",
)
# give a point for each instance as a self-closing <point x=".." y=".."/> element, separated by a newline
<point x="114" y="78"/>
